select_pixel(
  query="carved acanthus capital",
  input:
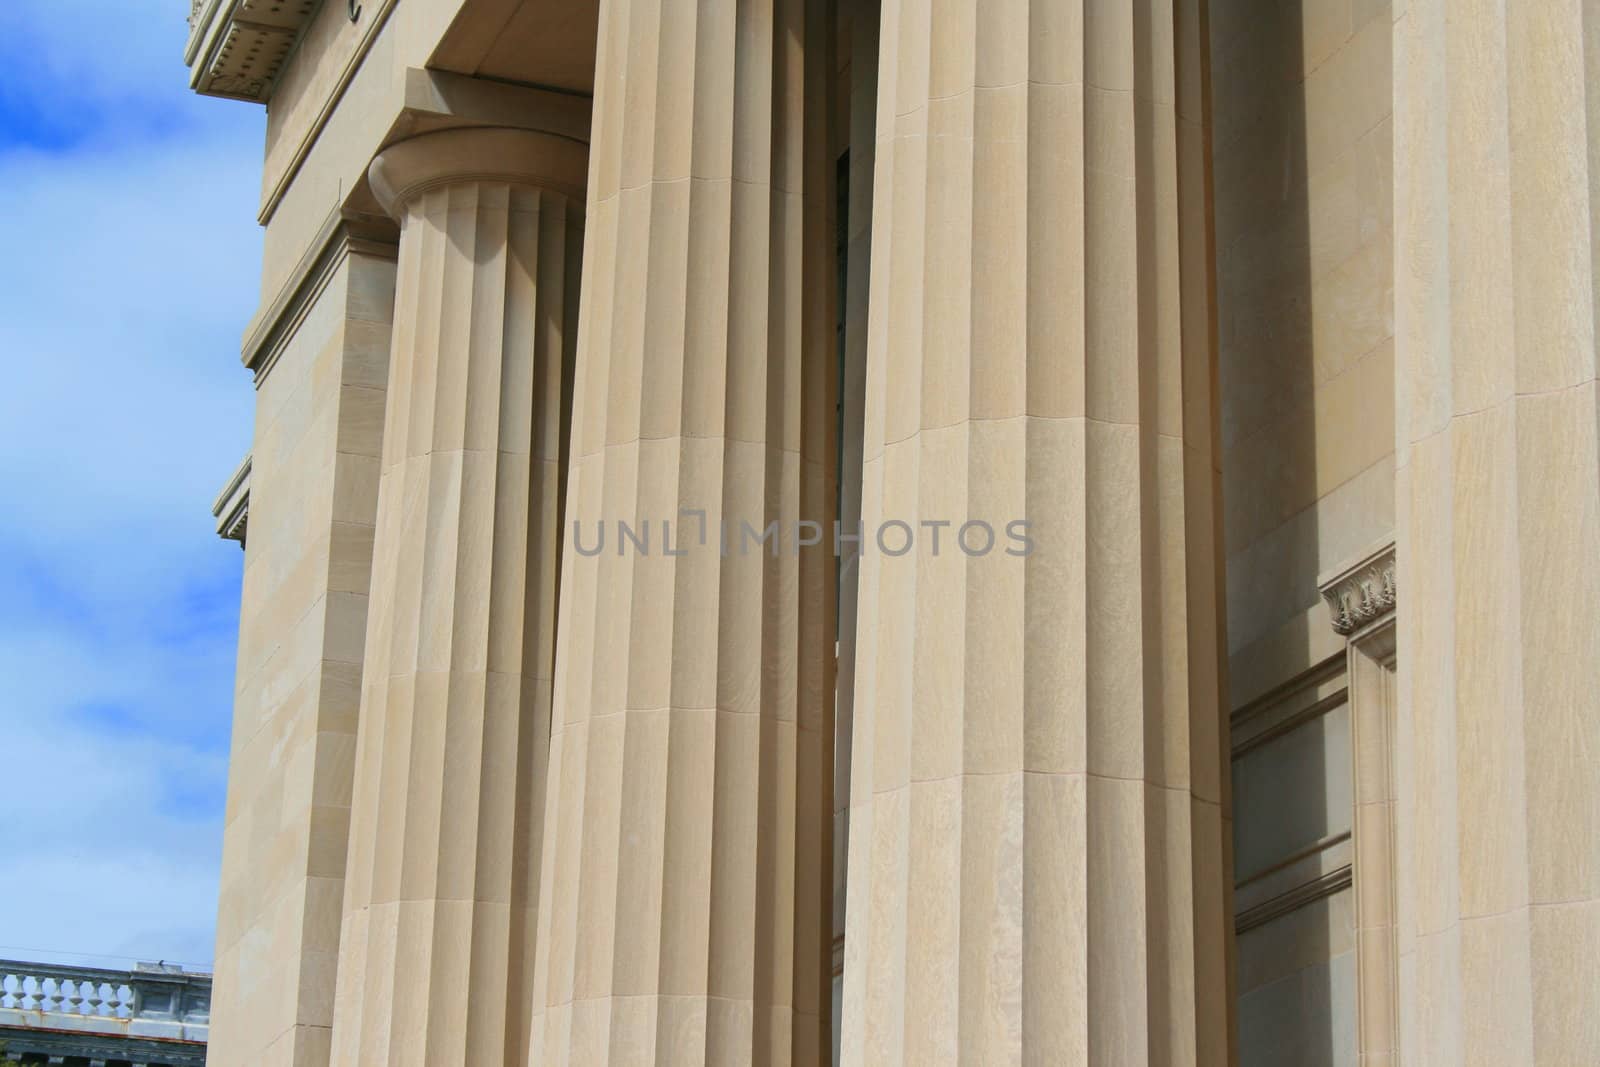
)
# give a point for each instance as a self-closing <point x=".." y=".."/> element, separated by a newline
<point x="1362" y="592"/>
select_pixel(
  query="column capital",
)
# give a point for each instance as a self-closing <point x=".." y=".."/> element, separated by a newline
<point x="411" y="167"/>
<point x="1362" y="591"/>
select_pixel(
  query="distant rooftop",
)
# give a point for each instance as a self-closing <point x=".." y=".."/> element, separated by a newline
<point x="156" y="1014"/>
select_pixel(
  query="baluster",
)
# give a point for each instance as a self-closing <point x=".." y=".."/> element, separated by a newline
<point x="93" y="999"/>
<point x="53" y="1001"/>
<point x="7" y="998"/>
<point x="126" y="997"/>
<point x="35" y="999"/>
<point x="75" y="999"/>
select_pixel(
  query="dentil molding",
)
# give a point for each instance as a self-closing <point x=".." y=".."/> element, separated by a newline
<point x="237" y="48"/>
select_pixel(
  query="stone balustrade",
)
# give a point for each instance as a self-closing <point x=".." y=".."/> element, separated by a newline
<point x="42" y="987"/>
<point x="156" y="1013"/>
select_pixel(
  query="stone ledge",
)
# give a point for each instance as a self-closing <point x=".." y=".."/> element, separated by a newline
<point x="232" y="506"/>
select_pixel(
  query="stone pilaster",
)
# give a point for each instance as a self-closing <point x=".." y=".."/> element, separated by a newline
<point x="321" y="361"/>
<point x="1039" y="866"/>
<point x="442" y="880"/>
<point x="685" y="912"/>
<point x="1497" y="153"/>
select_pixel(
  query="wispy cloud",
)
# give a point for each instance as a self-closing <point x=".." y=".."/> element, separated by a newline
<point x="130" y="268"/>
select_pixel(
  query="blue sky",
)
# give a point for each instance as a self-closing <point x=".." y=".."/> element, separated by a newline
<point x="129" y="259"/>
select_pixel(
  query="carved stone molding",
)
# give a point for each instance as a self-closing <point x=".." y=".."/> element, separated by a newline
<point x="341" y="233"/>
<point x="237" y="48"/>
<point x="1362" y="592"/>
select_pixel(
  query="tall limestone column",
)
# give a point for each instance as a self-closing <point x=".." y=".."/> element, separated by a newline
<point x="1039" y="865"/>
<point x="442" y="879"/>
<point x="1497" y="172"/>
<point x="685" y="911"/>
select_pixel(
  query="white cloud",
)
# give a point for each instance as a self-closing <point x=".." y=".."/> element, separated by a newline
<point x="129" y="260"/>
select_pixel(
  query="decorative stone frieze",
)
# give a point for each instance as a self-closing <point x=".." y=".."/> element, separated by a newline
<point x="1362" y="592"/>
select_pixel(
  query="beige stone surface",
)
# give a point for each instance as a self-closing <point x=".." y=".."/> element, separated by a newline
<point x="1304" y="222"/>
<point x="685" y="914"/>
<point x="303" y="607"/>
<point x="862" y="20"/>
<point x="1374" y="706"/>
<point x="1037" y="811"/>
<point x="1371" y="220"/>
<point x="1304" y="214"/>
<point x="442" y="884"/>
<point x="1499" y="534"/>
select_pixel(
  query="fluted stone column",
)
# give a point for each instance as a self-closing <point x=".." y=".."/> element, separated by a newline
<point x="442" y="881"/>
<point x="1497" y="170"/>
<point x="1038" y="833"/>
<point x="685" y="913"/>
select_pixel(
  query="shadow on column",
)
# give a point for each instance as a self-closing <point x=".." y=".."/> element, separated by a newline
<point x="1261" y="56"/>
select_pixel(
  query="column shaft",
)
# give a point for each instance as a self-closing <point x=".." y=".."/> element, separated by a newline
<point x="1497" y="165"/>
<point x="442" y="876"/>
<point x="1038" y="857"/>
<point x="686" y="913"/>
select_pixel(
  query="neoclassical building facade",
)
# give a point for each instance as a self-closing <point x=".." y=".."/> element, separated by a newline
<point x="916" y="532"/>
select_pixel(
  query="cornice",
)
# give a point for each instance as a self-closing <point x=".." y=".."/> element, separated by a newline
<point x="232" y="506"/>
<point x="1362" y="592"/>
<point x="237" y="48"/>
<point x="341" y="233"/>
